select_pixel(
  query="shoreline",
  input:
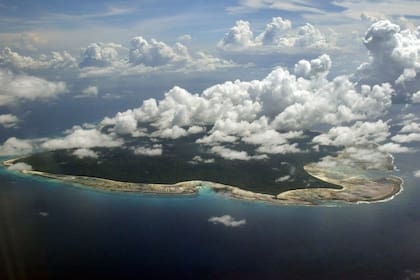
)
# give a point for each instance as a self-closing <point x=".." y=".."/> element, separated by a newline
<point x="358" y="191"/>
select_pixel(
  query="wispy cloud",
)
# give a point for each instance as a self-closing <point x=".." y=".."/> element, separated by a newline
<point x="245" y="6"/>
<point x="108" y="11"/>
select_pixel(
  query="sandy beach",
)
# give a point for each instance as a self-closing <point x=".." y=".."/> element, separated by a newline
<point x="354" y="189"/>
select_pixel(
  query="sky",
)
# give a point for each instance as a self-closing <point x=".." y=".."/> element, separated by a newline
<point x="242" y="71"/>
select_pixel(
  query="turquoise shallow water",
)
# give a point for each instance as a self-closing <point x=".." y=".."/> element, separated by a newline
<point x="51" y="230"/>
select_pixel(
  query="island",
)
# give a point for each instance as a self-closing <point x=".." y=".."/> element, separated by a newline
<point x="357" y="174"/>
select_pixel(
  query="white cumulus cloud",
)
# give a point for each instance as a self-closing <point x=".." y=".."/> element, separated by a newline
<point x="8" y="120"/>
<point x="273" y="33"/>
<point x="55" y="60"/>
<point x="416" y="97"/>
<point x="227" y="220"/>
<point x="394" y="148"/>
<point x="21" y="87"/>
<point x="406" y="138"/>
<point x="155" y="150"/>
<point x="278" y="33"/>
<point x="395" y="58"/>
<point x="146" y="56"/>
<point x="359" y="133"/>
<point x="85" y="153"/>
<point x="99" y="55"/>
<point x="156" y="53"/>
<point x="410" y="127"/>
<point x="256" y="112"/>
<point x="90" y="91"/>
<point x="283" y="179"/>
<point x="79" y="137"/>
<point x="14" y="146"/>
<point x="230" y="154"/>
<point x="239" y="36"/>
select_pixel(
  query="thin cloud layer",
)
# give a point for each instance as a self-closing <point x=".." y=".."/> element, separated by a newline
<point x="293" y="6"/>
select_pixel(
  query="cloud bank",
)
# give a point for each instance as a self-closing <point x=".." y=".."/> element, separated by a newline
<point x="256" y="112"/>
<point x="394" y="58"/>
<point x="56" y="60"/>
<point x="278" y="33"/>
<point x="269" y="115"/>
<point x="146" y="56"/>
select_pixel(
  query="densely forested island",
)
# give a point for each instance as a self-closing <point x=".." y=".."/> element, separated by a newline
<point x="309" y="177"/>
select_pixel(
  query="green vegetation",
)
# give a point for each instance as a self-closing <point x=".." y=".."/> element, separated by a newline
<point x="175" y="165"/>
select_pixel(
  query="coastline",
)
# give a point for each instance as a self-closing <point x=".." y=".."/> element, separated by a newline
<point x="353" y="190"/>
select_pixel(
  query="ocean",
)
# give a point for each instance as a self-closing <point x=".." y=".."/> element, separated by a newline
<point x="51" y="230"/>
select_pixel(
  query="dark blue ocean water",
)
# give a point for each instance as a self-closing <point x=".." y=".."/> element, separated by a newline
<point x="50" y="230"/>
